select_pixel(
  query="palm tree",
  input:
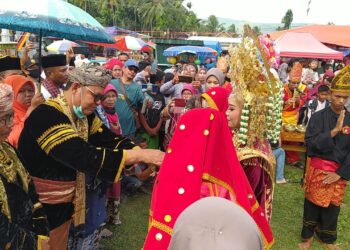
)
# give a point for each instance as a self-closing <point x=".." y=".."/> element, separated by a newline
<point x="287" y="19"/>
<point x="151" y="12"/>
<point x="112" y="6"/>
<point x="213" y="24"/>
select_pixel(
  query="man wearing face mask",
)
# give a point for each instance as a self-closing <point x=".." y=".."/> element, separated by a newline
<point x="32" y="70"/>
<point x="56" y="72"/>
<point x="62" y="140"/>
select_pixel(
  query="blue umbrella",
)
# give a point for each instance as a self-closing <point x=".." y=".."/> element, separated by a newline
<point x="52" y="18"/>
<point x="197" y="50"/>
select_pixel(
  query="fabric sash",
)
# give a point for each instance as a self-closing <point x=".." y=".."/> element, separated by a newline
<point x="54" y="192"/>
<point x="325" y="165"/>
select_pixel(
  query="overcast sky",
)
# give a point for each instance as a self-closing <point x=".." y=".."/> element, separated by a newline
<point x="272" y="11"/>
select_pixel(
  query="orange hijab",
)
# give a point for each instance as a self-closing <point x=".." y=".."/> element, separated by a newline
<point x="17" y="82"/>
<point x="20" y="110"/>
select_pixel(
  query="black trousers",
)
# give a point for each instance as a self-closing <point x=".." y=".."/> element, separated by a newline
<point x="320" y="220"/>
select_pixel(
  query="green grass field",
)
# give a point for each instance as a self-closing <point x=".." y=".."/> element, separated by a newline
<point x="286" y="218"/>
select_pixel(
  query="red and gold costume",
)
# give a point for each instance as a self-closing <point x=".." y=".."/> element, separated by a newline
<point x="290" y="111"/>
<point x="328" y="155"/>
<point x="200" y="161"/>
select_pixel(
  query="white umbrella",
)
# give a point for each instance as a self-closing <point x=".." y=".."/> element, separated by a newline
<point x="61" y="46"/>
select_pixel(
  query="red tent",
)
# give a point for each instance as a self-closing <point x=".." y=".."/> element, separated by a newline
<point x="330" y="34"/>
<point x="305" y="45"/>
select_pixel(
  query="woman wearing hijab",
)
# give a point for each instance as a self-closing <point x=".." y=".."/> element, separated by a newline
<point x="25" y="101"/>
<point x="116" y="67"/>
<point x="216" y="224"/>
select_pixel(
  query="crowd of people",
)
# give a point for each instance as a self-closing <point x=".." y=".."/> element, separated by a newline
<point x="88" y="136"/>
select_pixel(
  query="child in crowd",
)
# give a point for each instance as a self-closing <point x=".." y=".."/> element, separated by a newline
<point x="310" y="75"/>
<point x="139" y="175"/>
<point x="315" y="105"/>
<point x="153" y="105"/>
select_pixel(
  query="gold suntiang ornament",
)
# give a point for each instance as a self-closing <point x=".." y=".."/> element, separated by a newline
<point x="261" y="90"/>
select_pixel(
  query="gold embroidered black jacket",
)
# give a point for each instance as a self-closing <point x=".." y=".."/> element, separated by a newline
<point x="54" y="151"/>
<point x="22" y="217"/>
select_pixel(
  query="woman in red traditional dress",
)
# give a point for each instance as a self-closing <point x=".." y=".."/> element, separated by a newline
<point x="200" y="161"/>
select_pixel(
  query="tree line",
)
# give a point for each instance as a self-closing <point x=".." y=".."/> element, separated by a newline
<point x="151" y="15"/>
<point x="160" y="16"/>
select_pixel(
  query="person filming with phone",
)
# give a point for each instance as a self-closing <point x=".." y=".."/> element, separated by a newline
<point x="176" y="108"/>
<point x="186" y="76"/>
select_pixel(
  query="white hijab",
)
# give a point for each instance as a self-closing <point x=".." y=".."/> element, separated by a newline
<point x="215" y="223"/>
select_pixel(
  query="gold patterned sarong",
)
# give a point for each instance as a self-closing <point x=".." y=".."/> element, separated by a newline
<point x="319" y="193"/>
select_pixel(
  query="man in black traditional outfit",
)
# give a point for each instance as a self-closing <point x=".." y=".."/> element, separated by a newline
<point x="328" y="145"/>
<point x="9" y="66"/>
<point x="23" y="223"/>
<point x="56" y="72"/>
<point x="62" y="140"/>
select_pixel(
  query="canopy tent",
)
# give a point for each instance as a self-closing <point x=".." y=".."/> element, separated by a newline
<point x="305" y="45"/>
<point x="330" y="34"/>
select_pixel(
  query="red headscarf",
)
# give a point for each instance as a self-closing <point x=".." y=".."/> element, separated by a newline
<point x="217" y="98"/>
<point x="20" y="110"/>
<point x="112" y="115"/>
<point x="200" y="152"/>
<point x="112" y="62"/>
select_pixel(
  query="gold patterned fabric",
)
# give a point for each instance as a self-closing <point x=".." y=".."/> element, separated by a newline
<point x="341" y="82"/>
<point x="10" y="168"/>
<point x="56" y="135"/>
<point x="23" y="220"/>
<point x="323" y="194"/>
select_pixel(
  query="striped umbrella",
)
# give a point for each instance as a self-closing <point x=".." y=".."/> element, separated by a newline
<point x="130" y="43"/>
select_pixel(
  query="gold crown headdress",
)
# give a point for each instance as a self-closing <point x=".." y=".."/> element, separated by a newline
<point x="261" y="91"/>
<point x="296" y="72"/>
<point x="341" y="82"/>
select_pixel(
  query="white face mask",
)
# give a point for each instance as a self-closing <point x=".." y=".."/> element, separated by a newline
<point x="78" y="110"/>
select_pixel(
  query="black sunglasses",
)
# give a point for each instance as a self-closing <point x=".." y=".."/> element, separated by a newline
<point x="97" y="97"/>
